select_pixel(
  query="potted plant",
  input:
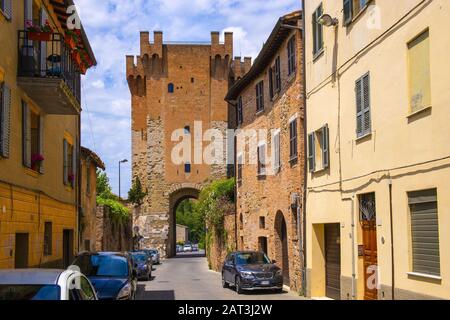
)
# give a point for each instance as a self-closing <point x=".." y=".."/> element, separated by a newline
<point x="72" y="39"/>
<point x="36" y="161"/>
<point x="39" y="33"/>
<point x="83" y="68"/>
<point x="76" y="57"/>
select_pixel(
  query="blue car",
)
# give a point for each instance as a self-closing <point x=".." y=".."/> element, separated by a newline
<point x="143" y="265"/>
<point x="111" y="274"/>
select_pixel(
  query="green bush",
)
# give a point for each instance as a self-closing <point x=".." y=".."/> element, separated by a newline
<point x="118" y="211"/>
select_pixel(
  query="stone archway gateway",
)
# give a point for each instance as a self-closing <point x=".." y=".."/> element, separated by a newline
<point x="177" y="87"/>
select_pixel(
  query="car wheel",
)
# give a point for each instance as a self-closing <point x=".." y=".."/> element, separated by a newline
<point x="237" y="284"/>
<point x="224" y="283"/>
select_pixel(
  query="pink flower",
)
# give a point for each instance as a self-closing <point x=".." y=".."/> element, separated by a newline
<point x="35" y="158"/>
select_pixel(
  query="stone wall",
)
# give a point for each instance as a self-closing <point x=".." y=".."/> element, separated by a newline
<point x="111" y="235"/>
<point x="220" y="246"/>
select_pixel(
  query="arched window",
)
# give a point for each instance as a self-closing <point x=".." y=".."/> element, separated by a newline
<point x="170" y="88"/>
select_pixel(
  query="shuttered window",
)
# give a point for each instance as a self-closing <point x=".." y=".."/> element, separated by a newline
<point x="325" y="147"/>
<point x="260" y="96"/>
<point x="26" y="135"/>
<point x="276" y="152"/>
<point x="311" y="152"/>
<point x="6" y="7"/>
<point x="292" y="65"/>
<point x="363" y="116"/>
<point x="271" y="91"/>
<point x="317" y="31"/>
<point x="277" y="75"/>
<point x="5" y="120"/>
<point x="262" y="160"/>
<point x="240" y="112"/>
<point x="425" y="232"/>
<point x="69" y="164"/>
<point x="348" y="11"/>
<point x="293" y="137"/>
<point x="419" y="73"/>
<point x="48" y="232"/>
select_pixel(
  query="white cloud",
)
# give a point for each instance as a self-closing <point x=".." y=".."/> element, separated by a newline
<point x="113" y="29"/>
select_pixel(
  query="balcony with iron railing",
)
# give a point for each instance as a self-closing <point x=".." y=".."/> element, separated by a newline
<point x="48" y="73"/>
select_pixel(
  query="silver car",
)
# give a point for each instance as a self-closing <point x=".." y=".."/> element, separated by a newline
<point x="45" y="284"/>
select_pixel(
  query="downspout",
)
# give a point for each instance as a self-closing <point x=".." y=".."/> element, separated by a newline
<point x="79" y="182"/>
<point x="352" y="199"/>
<point x="305" y="152"/>
<point x="392" y="239"/>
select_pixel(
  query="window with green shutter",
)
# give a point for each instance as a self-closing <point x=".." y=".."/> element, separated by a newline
<point x="311" y="152"/>
<point x="5" y="120"/>
<point x="292" y="64"/>
<point x="425" y="232"/>
<point x="317" y="31"/>
<point x="363" y="116"/>
<point x="293" y="136"/>
<point x="260" y="96"/>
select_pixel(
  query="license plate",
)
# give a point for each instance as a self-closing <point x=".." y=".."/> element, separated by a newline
<point x="265" y="283"/>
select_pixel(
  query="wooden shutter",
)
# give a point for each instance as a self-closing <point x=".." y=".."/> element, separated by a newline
<point x="425" y="232"/>
<point x="325" y="147"/>
<point x="277" y="151"/>
<point x="7" y="9"/>
<point x="271" y="83"/>
<point x="65" y="162"/>
<point x="26" y="135"/>
<point x="5" y="126"/>
<point x="74" y="164"/>
<point x="311" y="152"/>
<point x="278" y="74"/>
<point x="41" y="142"/>
<point x="348" y="11"/>
<point x="363" y="115"/>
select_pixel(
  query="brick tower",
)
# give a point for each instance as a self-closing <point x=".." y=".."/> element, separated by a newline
<point x="176" y="86"/>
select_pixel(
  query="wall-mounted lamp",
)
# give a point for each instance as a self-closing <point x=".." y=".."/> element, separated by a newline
<point x="327" y="21"/>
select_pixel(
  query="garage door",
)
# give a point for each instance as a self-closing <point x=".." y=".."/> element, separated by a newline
<point x="333" y="261"/>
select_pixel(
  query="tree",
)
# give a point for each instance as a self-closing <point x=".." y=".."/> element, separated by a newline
<point x="136" y="195"/>
<point x="103" y="187"/>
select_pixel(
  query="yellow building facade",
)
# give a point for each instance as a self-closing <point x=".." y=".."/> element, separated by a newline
<point x="39" y="138"/>
<point x="378" y="110"/>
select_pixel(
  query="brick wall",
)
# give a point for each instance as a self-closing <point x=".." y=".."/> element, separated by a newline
<point x="111" y="235"/>
<point x="263" y="202"/>
<point x="220" y="246"/>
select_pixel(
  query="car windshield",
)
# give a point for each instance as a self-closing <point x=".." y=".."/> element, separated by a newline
<point x="113" y="266"/>
<point x="28" y="292"/>
<point x="140" y="257"/>
<point x="251" y="258"/>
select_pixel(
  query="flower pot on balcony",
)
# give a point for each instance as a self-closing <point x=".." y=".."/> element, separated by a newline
<point x="76" y="58"/>
<point x="83" y="68"/>
<point x="70" y="43"/>
<point x="39" y="36"/>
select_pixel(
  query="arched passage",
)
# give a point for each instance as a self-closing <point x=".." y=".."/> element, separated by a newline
<point x="281" y="245"/>
<point x="176" y="198"/>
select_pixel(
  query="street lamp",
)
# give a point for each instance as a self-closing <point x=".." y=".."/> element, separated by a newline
<point x="328" y="21"/>
<point x="120" y="162"/>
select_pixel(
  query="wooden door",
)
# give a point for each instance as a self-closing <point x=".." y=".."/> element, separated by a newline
<point x="67" y="248"/>
<point x="333" y="261"/>
<point x="21" y="251"/>
<point x="370" y="259"/>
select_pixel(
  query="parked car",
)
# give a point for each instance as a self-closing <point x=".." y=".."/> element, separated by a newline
<point x="155" y="256"/>
<point x="111" y="273"/>
<point x="143" y="264"/>
<point x="45" y="284"/>
<point x="251" y="271"/>
<point x="195" y="247"/>
<point x="187" y="248"/>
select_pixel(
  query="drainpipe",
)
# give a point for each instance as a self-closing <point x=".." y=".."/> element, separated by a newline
<point x="392" y="239"/>
<point x="352" y="199"/>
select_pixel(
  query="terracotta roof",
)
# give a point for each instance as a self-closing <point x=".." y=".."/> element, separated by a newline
<point x="85" y="152"/>
<point x="272" y="45"/>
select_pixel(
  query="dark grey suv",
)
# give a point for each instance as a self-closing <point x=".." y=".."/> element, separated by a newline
<point x="249" y="270"/>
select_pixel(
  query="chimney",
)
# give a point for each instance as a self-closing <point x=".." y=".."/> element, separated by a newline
<point x="247" y="63"/>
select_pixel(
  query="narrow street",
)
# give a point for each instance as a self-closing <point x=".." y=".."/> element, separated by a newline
<point x="188" y="278"/>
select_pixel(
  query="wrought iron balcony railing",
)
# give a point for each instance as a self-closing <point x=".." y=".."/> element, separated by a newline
<point x="45" y="65"/>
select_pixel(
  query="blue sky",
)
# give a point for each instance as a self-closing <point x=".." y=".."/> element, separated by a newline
<point x="113" y="29"/>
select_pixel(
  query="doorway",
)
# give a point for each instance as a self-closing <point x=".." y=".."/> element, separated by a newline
<point x="67" y="248"/>
<point x="281" y="237"/>
<point x="21" y="254"/>
<point x="368" y="219"/>
<point x="262" y="244"/>
<point x="333" y="261"/>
